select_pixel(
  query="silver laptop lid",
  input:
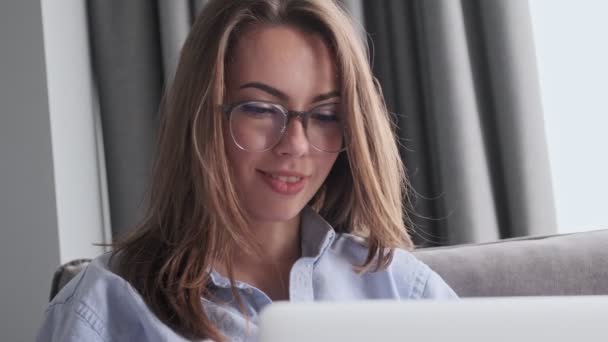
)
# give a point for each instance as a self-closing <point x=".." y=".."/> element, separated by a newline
<point x="554" y="319"/>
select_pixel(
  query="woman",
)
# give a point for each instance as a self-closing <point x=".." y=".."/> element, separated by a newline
<point x="277" y="178"/>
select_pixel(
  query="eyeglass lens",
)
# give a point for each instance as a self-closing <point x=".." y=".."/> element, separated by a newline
<point x="258" y="126"/>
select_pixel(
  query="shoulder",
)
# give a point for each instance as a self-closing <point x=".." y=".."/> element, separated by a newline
<point x="79" y="310"/>
<point x="428" y="284"/>
<point x="97" y="286"/>
<point x="90" y="303"/>
<point x="355" y="248"/>
<point x="410" y="276"/>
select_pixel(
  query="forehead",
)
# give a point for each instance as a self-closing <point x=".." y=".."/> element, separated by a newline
<point x="298" y="63"/>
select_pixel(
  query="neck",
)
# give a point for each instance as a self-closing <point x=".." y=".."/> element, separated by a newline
<point x="279" y="243"/>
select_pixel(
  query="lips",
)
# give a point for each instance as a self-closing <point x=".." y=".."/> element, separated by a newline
<point x="284" y="183"/>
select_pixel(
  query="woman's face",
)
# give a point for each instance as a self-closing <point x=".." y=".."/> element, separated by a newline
<point x="285" y="66"/>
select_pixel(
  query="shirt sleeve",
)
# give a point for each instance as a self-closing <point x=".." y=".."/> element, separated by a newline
<point x="436" y="288"/>
<point x="63" y="323"/>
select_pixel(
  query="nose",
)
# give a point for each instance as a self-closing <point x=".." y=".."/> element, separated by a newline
<point x="294" y="142"/>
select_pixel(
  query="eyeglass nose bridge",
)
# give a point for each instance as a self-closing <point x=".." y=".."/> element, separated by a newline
<point x="290" y="114"/>
<point x="296" y="114"/>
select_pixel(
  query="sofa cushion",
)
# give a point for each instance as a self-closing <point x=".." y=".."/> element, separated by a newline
<point x="570" y="264"/>
<point x="65" y="273"/>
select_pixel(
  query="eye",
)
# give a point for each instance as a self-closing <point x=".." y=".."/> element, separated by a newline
<point x="326" y="114"/>
<point x="325" y="117"/>
<point x="258" y="109"/>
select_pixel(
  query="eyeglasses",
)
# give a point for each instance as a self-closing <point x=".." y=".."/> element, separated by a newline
<point x="258" y="126"/>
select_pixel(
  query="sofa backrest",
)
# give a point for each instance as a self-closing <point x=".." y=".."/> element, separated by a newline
<point x="65" y="273"/>
<point x="570" y="264"/>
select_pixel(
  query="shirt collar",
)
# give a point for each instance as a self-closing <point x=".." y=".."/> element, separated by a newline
<point x="316" y="236"/>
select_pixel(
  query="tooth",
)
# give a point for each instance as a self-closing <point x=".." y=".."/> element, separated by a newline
<point x="290" y="179"/>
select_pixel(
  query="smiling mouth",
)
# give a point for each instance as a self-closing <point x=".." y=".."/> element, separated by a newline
<point x="284" y="184"/>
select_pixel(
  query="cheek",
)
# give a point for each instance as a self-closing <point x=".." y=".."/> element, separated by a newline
<point x="243" y="165"/>
<point x="237" y="159"/>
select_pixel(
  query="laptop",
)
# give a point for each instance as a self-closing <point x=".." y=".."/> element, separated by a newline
<point x="512" y="319"/>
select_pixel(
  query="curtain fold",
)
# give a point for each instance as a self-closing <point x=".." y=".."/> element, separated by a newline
<point x="461" y="78"/>
<point x="127" y="63"/>
<point x="196" y="6"/>
<point x="519" y="124"/>
<point x="135" y="47"/>
<point x="175" y="18"/>
<point x="468" y="211"/>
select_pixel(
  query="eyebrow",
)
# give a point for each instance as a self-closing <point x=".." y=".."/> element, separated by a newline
<point x="281" y="95"/>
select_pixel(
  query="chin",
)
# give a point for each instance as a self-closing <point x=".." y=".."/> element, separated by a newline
<point x="275" y="212"/>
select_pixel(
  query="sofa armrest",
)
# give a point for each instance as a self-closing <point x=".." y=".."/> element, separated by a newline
<point x="65" y="273"/>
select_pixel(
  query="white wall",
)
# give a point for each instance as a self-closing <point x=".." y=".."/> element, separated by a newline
<point x="51" y="198"/>
<point x="572" y="51"/>
<point x="73" y="127"/>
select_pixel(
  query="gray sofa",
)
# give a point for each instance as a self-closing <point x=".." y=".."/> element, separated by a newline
<point x="570" y="264"/>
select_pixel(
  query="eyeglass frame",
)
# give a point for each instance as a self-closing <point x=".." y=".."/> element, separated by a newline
<point x="288" y="114"/>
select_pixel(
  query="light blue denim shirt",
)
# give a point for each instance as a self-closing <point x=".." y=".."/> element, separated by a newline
<point x="99" y="305"/>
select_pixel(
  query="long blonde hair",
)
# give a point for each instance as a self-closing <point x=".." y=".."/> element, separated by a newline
<point x="194" y="216"/>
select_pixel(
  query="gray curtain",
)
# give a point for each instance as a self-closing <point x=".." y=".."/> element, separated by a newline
<point x="459" y="75"/>
<point x="135" y="45"/>
<point x="461" y="78"/>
